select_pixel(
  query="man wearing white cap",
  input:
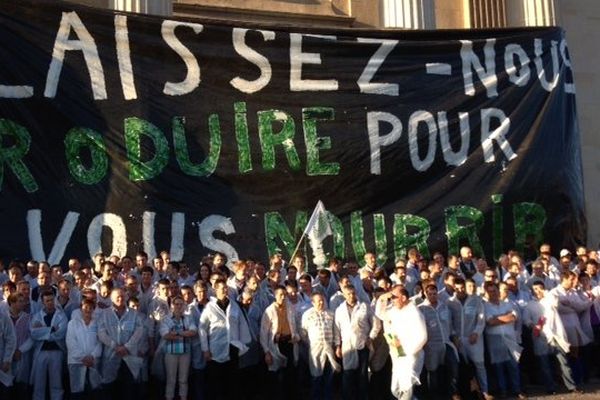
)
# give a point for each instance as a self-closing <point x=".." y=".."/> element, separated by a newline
<point x="566" y="261"/>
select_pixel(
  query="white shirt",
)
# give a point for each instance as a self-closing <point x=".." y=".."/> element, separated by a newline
<point x="82" y="341"/>
<point x="354" y="327"/>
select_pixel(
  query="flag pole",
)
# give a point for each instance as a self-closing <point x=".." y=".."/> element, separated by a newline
<point x="306" y="229"/>
<point x="297" y="247"/>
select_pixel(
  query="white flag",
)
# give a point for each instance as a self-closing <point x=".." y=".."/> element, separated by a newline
<point x="317" y="229"/>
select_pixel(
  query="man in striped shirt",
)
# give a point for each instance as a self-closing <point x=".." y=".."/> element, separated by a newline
<point x="317" y="331"/>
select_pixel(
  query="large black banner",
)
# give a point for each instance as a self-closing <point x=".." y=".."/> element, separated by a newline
<point x="123" y="132"/>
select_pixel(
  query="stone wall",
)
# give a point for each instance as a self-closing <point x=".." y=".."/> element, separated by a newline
<point x="581" y="21"/>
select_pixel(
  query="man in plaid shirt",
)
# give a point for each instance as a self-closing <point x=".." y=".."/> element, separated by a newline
<point x="317" y="331"/>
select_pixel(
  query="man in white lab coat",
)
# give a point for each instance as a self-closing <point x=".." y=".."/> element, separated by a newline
<point x="503" y="348"/>
<point x="8" y="345"/>
<point x="468" y="322"/>
<point x="21" y="365"/>
<point x="548" y="336"/>
<point x="570" y="308"/>
<point x="83" y="351"/>
<point x="224" y="336"/>
<point x="406" y="345"/>
<point x="354" y="323"/>
<point x="48" y="330"/>
<point x="120" y="330"/>
<point x="279" y="339"/>
<point x="317" y="331"/>
<point x="441" y="358"/>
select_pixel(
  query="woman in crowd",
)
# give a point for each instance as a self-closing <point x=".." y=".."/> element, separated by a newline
<point x="177" y="331"/>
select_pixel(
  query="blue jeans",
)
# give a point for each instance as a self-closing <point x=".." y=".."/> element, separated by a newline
<point x="451" y="364"/>
<point x="508" y="369"/>
<point x="444" y="380"/>
<point x="481" y="374"/>
<point x="575" y="361"/>
<point x="546" y="377"/>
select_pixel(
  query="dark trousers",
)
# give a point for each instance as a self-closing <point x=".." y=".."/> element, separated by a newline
<point x="197" y="384"/>
<point x="320" y="388"/>
<point x="124" y="387"/>
<point x="444" y="380"/>
<point x="283" y="381"/>
<point x="355" y="382"/>
<point x="575" y="361"/>
<point x="251" y="382"/>
<point x="381" y="382"/>
<point x="595" y="353"/>
<point x="221" y="385"/>
<point x="87" y="395"/>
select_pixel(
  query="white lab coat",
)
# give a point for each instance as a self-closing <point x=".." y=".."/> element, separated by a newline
<point x="113" y="331"/>
<point x="218" y="330"/>
<point x="4" y="307"/>
<point x="584" y="317"/>
<point x="353" y="331"/>
<point x="8" y="339"/>
<point x="44" y="333"/>
<point x="336" y="300"/>
<point x="438" y="322"/>
<point x="468" y="318"/>
<point x="360" y="289"/>
<point x="328" y="291"/>
<point x="549" y="283"/>
<point x="501" y="339"/>
<point x="405" y="369"/>
<point x="198" y="361"/>
<point x="570" y="306"/>
<point x="553" y="333"/>
<point x="82" y="340"/>
<point x="268" y="329"/>
<point x="69" y="307"/>
<point x="145" y="297"/>
<point x="22" y="368"/>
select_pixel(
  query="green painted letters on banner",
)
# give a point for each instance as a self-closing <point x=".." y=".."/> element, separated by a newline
<point x="241" y="136"/>
<point x="276" y="228"/>
<point x="357" y="233"/>
<point x="469" y="230"/>
<point x="13" y="156"/>
<point x="75" y="141"/>
<point x="339" y="245"/>
<point x="380" y="238"/>
<point x="315" y="143"/>
<point x="403" y="240"/>
<point x="285" y="138"/>
<point x="208" y="166"/>
<point x="529" y="220"/>
<point x="144" y="170"/>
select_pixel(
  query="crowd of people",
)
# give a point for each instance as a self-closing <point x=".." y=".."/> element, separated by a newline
<point x="446" y="328"/>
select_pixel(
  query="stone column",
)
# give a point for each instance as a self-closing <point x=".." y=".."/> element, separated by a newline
<point x="531" y="13"/>
<point x="488" y="13"/>
<point x="155" y="7"/>
<point x="409" y="14"/>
